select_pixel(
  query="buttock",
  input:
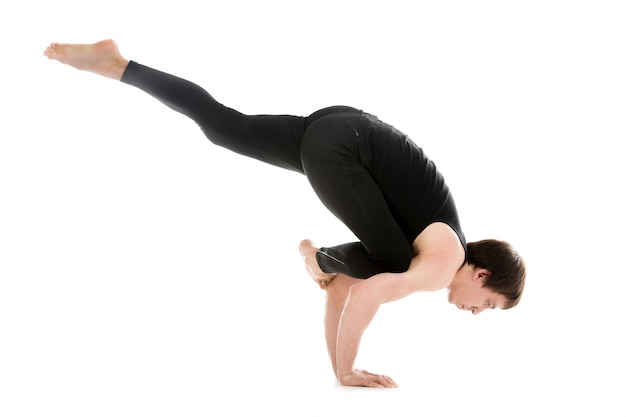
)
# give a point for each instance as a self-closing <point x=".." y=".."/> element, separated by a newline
<point x="330" y="111"/>
<point x="334" y="136"/>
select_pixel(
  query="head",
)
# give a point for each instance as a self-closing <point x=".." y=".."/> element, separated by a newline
<point x="493" y="277"/>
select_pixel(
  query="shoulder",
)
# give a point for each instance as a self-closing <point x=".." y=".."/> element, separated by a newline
<point x="439" y="241"/>
<point x="438" y="255"/>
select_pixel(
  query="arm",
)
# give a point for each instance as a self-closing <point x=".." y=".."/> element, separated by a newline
<point x="426" y="273"/>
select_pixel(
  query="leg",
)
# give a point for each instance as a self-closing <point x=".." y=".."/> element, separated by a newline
<point x="271" y="139"/>
<point x="332" y="159"/>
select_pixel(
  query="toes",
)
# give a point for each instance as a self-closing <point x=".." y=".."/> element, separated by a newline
<point x="306" y="247"/>
<point x="50" y="51"/>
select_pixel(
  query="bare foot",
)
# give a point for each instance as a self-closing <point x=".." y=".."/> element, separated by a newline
<point x="308" y="251"/>
<point x="102" y="58"/>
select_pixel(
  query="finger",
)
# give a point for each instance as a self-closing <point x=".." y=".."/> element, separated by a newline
<point x="388" y="382"/>
<point x="379" y="379"/>
<point x="384" y="380"/>
<point x="373" y="374"/>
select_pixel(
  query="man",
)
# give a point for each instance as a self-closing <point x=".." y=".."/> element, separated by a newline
<point x="369" y="175"/>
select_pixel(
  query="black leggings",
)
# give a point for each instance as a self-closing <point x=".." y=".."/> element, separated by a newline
<point x="327" y="147"/>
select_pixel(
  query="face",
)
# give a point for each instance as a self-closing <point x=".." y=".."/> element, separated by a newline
<point x="467" y="292"/>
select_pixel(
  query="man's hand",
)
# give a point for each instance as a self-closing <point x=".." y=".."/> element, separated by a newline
<point x="360" y="378"/>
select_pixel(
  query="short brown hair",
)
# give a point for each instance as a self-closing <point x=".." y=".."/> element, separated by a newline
<point x="507" y="268"/>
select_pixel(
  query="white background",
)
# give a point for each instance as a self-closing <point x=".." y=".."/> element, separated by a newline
<point x="146" y="272"/>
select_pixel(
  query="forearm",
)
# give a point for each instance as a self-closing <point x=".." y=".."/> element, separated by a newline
<point x="358" y="312"/>
<point x="331" y="326"/>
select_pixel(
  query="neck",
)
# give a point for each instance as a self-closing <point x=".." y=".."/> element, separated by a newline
<point x="463" y="272"/>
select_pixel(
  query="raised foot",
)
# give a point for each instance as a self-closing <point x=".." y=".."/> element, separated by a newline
<point x="308" y="251"/>
<point x="102" y="58"/>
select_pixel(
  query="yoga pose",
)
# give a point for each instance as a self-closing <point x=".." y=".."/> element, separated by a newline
<point x="368" y="174"/>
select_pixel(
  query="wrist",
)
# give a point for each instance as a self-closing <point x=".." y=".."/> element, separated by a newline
<point x="346" y="374"/>
<point x="345" y="377"/>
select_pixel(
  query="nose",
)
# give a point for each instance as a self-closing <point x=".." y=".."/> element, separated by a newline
<point x="477" y="310"/>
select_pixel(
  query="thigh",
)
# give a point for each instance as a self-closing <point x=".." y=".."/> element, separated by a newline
<point x="274" y="139"/>
<point x="331" y="161"/>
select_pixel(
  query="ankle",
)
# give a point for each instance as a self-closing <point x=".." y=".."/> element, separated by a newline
<point x="119" y="68"/>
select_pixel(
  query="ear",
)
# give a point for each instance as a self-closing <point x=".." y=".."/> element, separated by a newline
<point x="481" y="274"/>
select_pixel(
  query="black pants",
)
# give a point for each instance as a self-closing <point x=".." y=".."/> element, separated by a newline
<point x="329" y="147"/>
